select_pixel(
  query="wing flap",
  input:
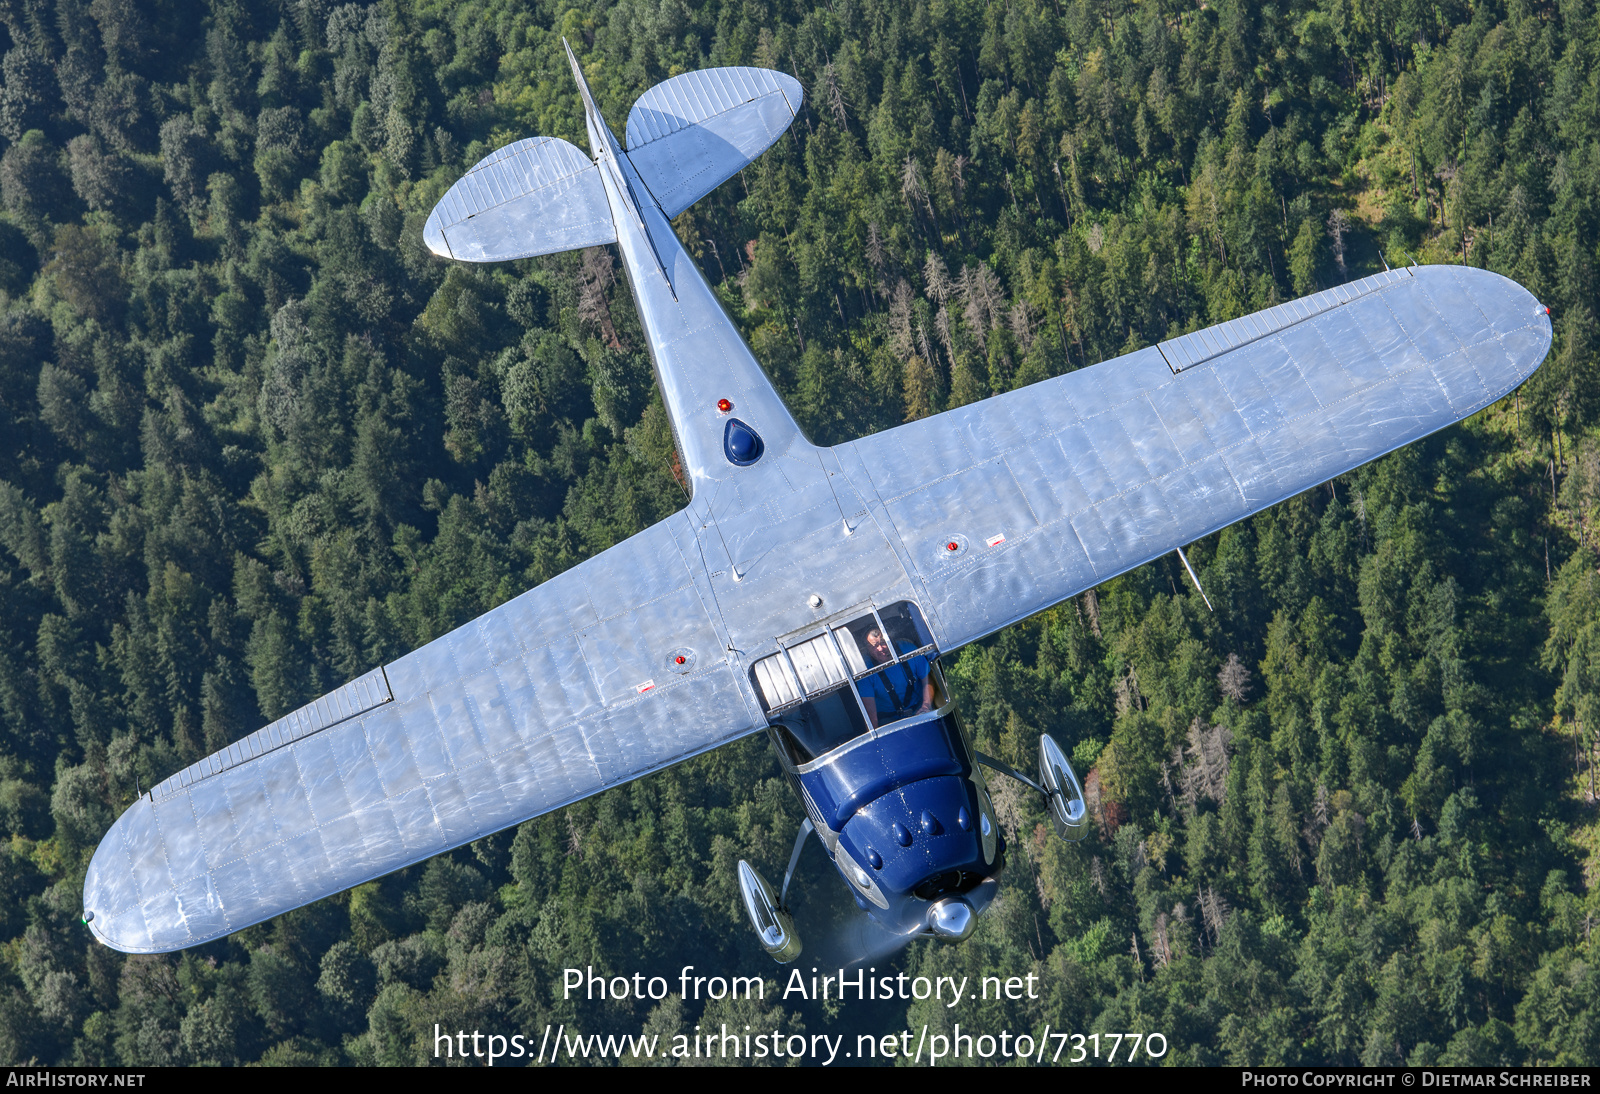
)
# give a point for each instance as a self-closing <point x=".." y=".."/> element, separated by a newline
<point x="494" y="723"/>
<point x="535" y="197"/>
<point x="1055" y="488"/>
<point x="689" y="134"/>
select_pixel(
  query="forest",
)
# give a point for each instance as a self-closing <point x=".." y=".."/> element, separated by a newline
<point x="257" y="440"/>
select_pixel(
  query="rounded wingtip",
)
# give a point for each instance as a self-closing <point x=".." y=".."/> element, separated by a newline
<point x="1520" y="321"/>
<point x="102" y="913"/>
<point x="121" y="910"/>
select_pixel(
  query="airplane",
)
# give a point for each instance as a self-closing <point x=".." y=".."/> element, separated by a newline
<point x="806" y="592"/>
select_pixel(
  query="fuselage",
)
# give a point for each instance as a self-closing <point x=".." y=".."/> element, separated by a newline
<point x="868" y="735"/>
<point x="906" y="818"/>
<point x="901" y="808"/>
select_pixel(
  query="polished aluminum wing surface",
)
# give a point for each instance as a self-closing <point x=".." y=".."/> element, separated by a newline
<point x="535" y="197"/>
<point x="568" y="689"/>
<point x="692" y="133"/>
<point x="1014" y="503"/>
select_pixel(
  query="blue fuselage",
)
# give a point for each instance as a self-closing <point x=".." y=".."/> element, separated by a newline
<point x="905" y="814"/>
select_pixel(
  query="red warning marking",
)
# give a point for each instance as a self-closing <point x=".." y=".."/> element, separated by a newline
<point x="995" y="540"/>
<point x="644" y="687"/>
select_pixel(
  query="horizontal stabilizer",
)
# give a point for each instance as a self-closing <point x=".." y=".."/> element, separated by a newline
<point x="690" y="134"/>
<point x="534" y="197"/>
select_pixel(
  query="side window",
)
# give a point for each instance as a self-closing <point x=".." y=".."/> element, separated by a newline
<point x="890" y="645"/>
<point x="906" y="629"/>
<point x="941" y="697"/>
<point x="854" y="640"/>
<point x="888" y="635"/>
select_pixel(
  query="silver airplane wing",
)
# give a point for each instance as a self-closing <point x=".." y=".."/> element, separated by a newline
<point x="573" y="687"/>
<point x="1007" y="506"/>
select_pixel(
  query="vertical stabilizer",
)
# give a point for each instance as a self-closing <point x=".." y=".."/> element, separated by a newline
<point x="608" y="154"/>
<point x="602" y="142"/>
<point x="598" y="130"/>
<point x="728" y="420"/>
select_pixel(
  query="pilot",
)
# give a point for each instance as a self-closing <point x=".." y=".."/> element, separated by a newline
<point x="894" y="691"/>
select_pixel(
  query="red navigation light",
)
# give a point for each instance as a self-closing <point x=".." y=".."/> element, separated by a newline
<point x="723" y="406"/>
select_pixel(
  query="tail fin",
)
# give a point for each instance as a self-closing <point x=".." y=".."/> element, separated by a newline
<point x="690" y="134"/>
<point x="534" y="197"/>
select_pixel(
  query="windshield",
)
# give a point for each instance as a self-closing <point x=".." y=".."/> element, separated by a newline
<point x="819" y="726"/>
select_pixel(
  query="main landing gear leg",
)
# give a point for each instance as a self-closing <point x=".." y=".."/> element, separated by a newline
<point x="794" y="860"/>
<point x="1068" y="812"/>
<point x="770" y="917"/>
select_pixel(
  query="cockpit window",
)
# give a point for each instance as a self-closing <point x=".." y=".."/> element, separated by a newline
<point x="808" y="664"/>
<point x="899" y="691"/>
<point x="819" y="726"/>
<point x="888" y="635"/>
<point x="905" y="626"/>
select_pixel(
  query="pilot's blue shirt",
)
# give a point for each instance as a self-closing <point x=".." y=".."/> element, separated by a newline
<point x="908" y="681"/>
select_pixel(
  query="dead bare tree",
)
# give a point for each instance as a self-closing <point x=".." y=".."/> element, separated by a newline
<point x="831" y="95"/>
<point x="875" y="252"/>
<point x="1213" y="913"/>
<point x="911" y="187"/>
<point x="595" y="278"/>
<point x="1234" y="679"/>
<point x="1160" y="946"/>
<point x="901" y="338"/>
<point x="1022" y="326"/>
<point x="1338" y="225"/>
